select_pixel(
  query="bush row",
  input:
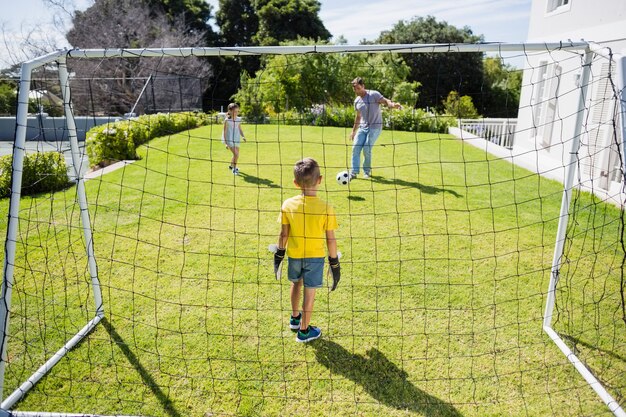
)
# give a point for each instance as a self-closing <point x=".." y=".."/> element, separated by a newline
<point x="119" y="140"/>
<point x="42" y="172"/>
<point x="407" y="119"/>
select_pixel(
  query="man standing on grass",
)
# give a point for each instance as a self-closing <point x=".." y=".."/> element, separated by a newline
<point x="368" y="123"/>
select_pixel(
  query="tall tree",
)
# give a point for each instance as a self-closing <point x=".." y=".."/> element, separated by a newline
<point x="259" y="22"/>
<point x="504" y="83"/>
<point x="298" y="82"/>
<point x="115" y="84"/>
<point x="439" y="73"/>
<point x="194" y="15"/>
<point x="284" y="20"/>
<point x="238" y="22"/>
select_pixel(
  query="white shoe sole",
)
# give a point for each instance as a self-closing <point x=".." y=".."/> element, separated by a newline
<point x="308" y="340"/>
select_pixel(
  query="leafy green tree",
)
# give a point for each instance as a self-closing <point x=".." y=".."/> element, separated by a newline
<point x="406" y="93"/>
<point x="297" y="82"/>
<point x="438" y="73"/>
<point x="194" y="15"/>
<point x="504" y="84"/>
<point x="259" y="22"/>
<point x="284" y="20"/>
<point x="238" y="22"/>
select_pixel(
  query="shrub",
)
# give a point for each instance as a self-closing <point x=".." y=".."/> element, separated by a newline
<point x="340" y="116"/>
<point x="110" y="143"/>
<point x="416" y="120"/>
<point x="42" y="172"/>
<point x="119" y="140"/>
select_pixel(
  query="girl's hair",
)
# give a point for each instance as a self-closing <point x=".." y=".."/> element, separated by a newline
<point x="232" y="106"/>
<point x="306" y="172"/>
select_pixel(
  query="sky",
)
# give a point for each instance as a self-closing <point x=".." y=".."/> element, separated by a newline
<point x="497" y="20"/>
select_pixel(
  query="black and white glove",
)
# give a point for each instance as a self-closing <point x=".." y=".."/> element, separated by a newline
<point x="335" y="270"/>
<point x="279" y="257"/>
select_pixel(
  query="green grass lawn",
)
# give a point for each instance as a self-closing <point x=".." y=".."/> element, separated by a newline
<point x="446" y="262"/>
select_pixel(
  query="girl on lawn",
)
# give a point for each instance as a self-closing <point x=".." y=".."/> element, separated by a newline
<point x="232" y="135"/>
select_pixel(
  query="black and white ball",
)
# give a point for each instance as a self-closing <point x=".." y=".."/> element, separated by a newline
<point x="343" y="178"/>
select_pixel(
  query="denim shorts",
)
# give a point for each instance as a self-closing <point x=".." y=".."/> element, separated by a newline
<point x="309" y="269"/>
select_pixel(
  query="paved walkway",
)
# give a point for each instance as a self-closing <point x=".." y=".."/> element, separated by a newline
<point x="6" y="148"/>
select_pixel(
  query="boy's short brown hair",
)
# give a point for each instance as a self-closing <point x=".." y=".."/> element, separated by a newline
<point x="306" y="172"/>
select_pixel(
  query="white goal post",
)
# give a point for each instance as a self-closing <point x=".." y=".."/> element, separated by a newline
<point x="59" y="59"/>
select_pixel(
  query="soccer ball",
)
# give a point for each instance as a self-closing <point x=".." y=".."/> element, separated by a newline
<point x="343" y="178"/>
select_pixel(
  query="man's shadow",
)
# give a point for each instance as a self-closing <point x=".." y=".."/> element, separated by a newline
<point x="427" y="189"/>
<point x="251" y="179"/>
<point x="381" y="379"/>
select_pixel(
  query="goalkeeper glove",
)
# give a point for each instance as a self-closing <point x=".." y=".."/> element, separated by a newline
<point x="334" y="269"/>
<point x="279" y="256"/>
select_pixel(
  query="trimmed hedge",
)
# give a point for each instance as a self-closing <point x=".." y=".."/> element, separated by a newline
<point x="118" y="141"/>
<point x="43" y="172"/>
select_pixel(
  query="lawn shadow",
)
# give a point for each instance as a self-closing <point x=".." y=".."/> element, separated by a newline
<point x="381" y="379"/>
<point x="165" y="401"/>
<point x="356" y="198"/>
<point x="258" y="181"/>
<point x="427" y="189"/>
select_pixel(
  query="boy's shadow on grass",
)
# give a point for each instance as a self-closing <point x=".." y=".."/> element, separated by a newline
<point x="381" y="379"/>
<point x="427" y="189"/>
<point x="258" y="181"/>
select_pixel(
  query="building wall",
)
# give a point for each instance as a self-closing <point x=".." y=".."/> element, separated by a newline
<point x="597" y="20"/>
<point x="550" y="96"/>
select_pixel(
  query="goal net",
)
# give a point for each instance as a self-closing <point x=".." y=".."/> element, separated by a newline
<point x="482" y="266"/>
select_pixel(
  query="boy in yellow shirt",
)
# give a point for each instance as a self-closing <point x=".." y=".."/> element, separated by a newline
<point x="306" y="223"/>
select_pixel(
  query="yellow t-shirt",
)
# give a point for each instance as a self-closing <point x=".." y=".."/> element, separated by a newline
<point x="308" y="217"/>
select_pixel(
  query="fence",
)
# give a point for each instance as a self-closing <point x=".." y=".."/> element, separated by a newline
<point x="498" y="131"/>
<point x="49" y="129"/>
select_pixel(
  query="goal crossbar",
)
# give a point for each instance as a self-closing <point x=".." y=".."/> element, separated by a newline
<point x="308" y="49"/>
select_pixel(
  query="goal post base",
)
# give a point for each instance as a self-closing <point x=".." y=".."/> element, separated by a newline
<point x="12" y="399"/>
<point x="593" y="382"/>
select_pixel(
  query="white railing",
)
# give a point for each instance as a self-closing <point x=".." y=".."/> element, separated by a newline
<point x="498" y="131"/>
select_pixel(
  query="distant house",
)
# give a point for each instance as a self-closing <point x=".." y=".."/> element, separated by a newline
<point x="550" y="96"/>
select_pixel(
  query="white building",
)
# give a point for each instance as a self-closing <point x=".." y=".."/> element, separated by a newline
<point x="550" y="96"/>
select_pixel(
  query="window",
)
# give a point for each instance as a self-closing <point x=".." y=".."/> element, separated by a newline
<point x="545" y="102"/>
<point x="558" y="6"/>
